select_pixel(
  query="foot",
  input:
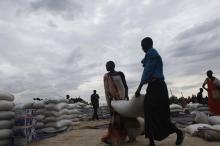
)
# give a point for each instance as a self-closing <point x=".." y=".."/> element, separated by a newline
<point x="151" y="144"/>
<point x="107" y="142"/>
<point x="180" y="137"/>
<point x="131" y="140"/>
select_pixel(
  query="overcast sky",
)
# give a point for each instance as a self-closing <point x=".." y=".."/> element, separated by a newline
<point x="50" y="48"/>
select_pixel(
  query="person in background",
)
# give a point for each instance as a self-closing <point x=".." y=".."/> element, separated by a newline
<point x="200" y="96"/>
<point x="212" y="84"/>
<point x="158" y="125"/>
<point x="68" y="97"/>
<point x="95" y="104"/>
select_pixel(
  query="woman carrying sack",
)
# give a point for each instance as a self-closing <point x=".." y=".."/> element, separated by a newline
<point x="213" y="90"/>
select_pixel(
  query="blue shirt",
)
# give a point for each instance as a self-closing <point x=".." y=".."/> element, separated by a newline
<point x="153" y="66"/>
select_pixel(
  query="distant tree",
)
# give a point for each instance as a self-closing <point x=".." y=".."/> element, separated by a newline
<point x="173" y="100"/>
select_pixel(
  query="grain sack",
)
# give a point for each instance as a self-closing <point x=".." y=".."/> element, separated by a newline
<point x="56" y="107"/>
<point x="214" y="120"/>
<point x="200" y="117"/>
<point x="39" y="112"/>
<point x="6" y="96"/>
<point x="134" y="126"/>
<point x="209" y="134"/>
<point x="6" y="105"/>
<point x="175" y="106"/>
<point x="6" y="115"/>
<point x="5" y="133"/>
<point x="6" y="124"/>
<point x="39" y="125"/>
<point x="193" y="129"/>
<point x="38" y="105"/>
<point x="39" y="117"/>
<point x="5" y="142"/>
<point x="57" y="113"/>
<point x="55" y="101"/>
<point x="28" y="105"/>
<point x="217" y="127"/>
<point x="132" y="108"/>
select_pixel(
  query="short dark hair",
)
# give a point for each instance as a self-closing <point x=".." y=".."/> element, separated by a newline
<point x="111" y="63"/>
<point x="147" y="43"/>
<point x="209" y="72"/>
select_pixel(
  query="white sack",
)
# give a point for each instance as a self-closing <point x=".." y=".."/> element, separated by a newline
<point x="56" y="107"/>
<point x="5" y="133"/>
<point x="6" y="115"/>
<point x="6" y="105"/>
<point x="175" y="106"/>
<point x="216" y="127"/>
<point x="132" y="108"/>
<point x="193" y="129"/>
<point x="38" y="105"/>
<point x="214" y="120"/>
<point x="6" y="124"/>
<point x="5" y="142"/>
<point x="39" y="125"/>
<point x="39" y="117"/>
<point x="57" y="113"/>
<point x="200" y="117"/>
<point x="6" y="96"/>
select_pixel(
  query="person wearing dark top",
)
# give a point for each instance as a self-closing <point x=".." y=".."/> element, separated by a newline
<point x="95" y="104"/>
<point x="200" y="96"/>
<point x="158" y="125"/>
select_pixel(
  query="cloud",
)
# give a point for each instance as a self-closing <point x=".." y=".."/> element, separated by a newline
<point x="50" y="48"/>
<point x="66" y="8"/>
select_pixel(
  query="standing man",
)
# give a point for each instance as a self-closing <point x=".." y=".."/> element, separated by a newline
<point x="158" y="125"/>
<point x="95" y="104"/>
<point x="200" y="97"/>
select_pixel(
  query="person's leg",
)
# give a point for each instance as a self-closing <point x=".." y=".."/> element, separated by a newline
<point x="179" y="133"/>
<point x="151" y="140"/>
<point x="96" y="114"/>
<point x="93" y="117"/>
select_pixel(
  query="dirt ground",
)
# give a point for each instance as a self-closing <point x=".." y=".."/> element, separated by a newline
<point x="86" y="134"/>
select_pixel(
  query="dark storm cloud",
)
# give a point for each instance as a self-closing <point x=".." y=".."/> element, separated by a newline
<point x="67" y="8"/>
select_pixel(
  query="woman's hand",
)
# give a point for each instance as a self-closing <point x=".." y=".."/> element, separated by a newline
<point x="137" y="93"/>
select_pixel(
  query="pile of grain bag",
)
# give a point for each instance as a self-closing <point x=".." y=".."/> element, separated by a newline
<point x="57" y="116"/>
<point x="209" y="131"/>
<point x="104" y="112"/>
<point x="6" y="118"/>
<point x="176" y="109"/>
<point x="38" y="114"/>
<point x="85" y="111"/>
<point x="198" y="107"/>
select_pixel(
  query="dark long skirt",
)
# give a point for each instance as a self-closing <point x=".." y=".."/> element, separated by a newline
<point x="157" y="111"/>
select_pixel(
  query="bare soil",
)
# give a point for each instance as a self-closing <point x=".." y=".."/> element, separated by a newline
<point x="86" y="134"/>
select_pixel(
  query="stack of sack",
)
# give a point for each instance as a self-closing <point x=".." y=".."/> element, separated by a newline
<point x="85" y="111"/>
<point x="57" y="116"/>
<point x="176" y="109"/>
<point x="104" y="112"/>
<point x="179" y="117"/>
<point x="24" y="131"/>
<point x="74" y="113"/>
<point x="38" y="114"/>
<point x="197" y="107"/>
<point x="209" y="131"/>
<point x="6" y="118"/>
